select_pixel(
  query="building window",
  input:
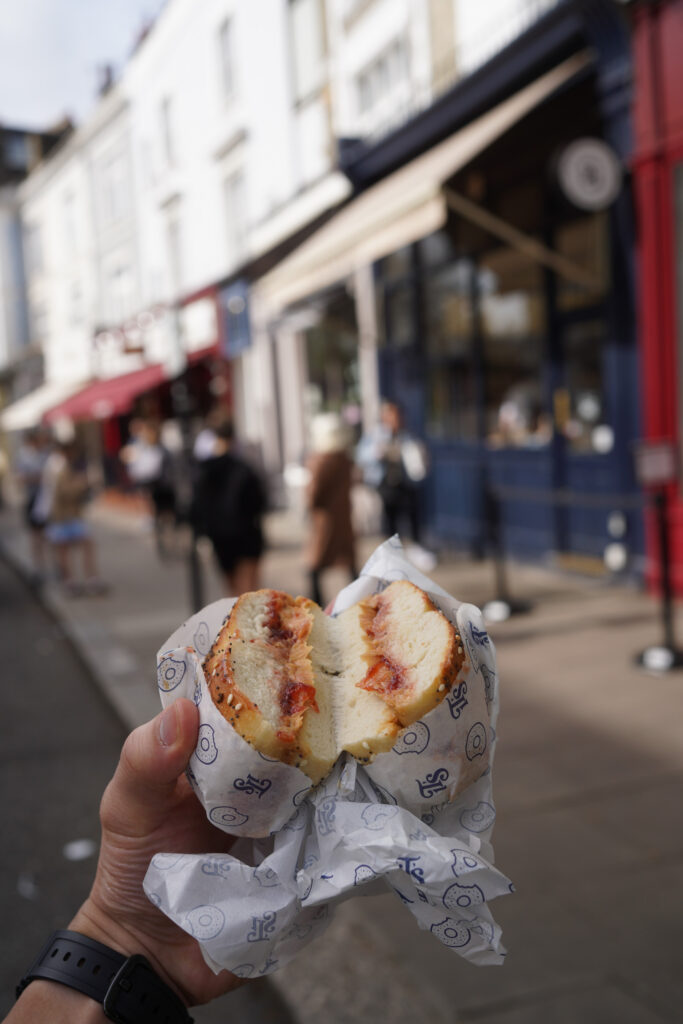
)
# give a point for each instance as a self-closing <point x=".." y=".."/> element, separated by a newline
<point x="114" y="192"/>
<point x="235" y="194"/>
<point x="39" y="322"/>
<point x="33" y="249"/>
<point x="15" y="151"/>
<point x="226" y="56"/>
<point x="513" y="328"/>
<point x="307" y="25"/>
<point x="75" y="305"/>
<point x="166" y="118"/>
<point x="174" y="241"/>
<point x="382" y="76"/>
<point x="70" y="235"/>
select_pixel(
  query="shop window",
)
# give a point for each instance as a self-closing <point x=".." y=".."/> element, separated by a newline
<point x="400" y="314"/>
<point x="513" y="325"/>
<point x="583" y="423"/>
<point x="332" y="356"/>
<point x="448" y="310"/>
<point x="451" y="385"/>
<point x="586" y="243"/>
<point x="398" y="264"/>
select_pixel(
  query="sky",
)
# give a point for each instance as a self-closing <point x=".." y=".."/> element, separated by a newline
<point x="50" y="51"/>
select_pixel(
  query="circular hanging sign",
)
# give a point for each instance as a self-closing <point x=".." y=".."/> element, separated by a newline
<point x="590" y="174"/>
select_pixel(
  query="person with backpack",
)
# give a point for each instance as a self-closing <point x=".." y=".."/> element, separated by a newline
<point x="228" y="506"/>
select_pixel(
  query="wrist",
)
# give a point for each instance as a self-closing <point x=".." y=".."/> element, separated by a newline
<point x="48" y="1000"/>
<point x="95" y="923"/>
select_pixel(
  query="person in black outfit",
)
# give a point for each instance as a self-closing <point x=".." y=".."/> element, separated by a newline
<point x="228" y="505"/>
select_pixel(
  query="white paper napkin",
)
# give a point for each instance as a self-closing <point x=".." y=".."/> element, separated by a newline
<point x="418" y="819"/>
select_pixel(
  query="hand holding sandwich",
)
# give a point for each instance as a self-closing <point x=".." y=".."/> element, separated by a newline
<point x="148" y="806"/>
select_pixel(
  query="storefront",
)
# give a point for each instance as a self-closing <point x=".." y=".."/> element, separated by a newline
<point x="496" y="310"/>
<point x="501" y="340"/>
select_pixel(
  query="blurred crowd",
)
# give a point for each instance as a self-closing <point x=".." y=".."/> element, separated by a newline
<point x="212" y="487"/>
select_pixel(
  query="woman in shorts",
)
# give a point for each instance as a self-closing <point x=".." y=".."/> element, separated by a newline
<point x="67" y="531"/>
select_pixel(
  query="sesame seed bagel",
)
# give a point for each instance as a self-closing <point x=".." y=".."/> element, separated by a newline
<point x="302" y="687"/>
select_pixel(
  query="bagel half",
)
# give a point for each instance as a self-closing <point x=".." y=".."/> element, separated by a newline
<point x="303" y="687"/>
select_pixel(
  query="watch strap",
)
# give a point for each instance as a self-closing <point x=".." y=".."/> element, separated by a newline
<point x="128" y="988"/>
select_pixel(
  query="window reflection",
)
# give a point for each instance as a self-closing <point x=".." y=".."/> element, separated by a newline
<point x="513" y="325"/>
<point x="585" y="429"/>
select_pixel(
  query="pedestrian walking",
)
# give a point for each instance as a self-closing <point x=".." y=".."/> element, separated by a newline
<point x="228" y="505"/>
<point x="331" y="540"/>
<point x="150" y="466"/>
<point x="29" y="466"/>
<point x="67" y="530"/>
<point x="395" y="463"/>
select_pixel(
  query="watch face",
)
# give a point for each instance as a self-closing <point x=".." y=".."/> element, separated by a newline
<point x="589" y="173"/>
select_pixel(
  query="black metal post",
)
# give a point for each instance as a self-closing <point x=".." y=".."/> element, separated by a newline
<point x="666" y="657"/>
<point x="665" y="568"/>
<point x="502" y="606"/>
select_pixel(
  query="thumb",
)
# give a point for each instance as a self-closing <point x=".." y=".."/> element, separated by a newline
<point x="153" y="757"/>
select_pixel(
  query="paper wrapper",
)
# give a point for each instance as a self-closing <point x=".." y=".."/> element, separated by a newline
<point x="412" y="820"/>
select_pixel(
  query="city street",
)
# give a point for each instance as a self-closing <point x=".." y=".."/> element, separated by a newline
<point x="587" y="782"/>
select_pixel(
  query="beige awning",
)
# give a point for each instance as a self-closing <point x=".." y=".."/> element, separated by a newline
<point x="406" y="206"/>
<point x="28" y="411"/>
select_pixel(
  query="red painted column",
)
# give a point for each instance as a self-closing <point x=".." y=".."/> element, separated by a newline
<point x="657" y="38"/>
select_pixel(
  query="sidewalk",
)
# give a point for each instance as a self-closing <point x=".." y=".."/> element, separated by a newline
<point x="587" y="781"/>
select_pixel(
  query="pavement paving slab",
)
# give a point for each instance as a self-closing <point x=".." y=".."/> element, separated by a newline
<point x="588" y="777"/>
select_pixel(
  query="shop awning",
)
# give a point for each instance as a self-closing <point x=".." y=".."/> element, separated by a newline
<point x="104" y="398"/>
<point x="27" y="412"/>
<point x="402" y="208"/>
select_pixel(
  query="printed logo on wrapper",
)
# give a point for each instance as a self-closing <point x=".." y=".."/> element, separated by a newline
<point x="464" y="861"/>
<point x="462" y="896"/>
<point x="217" y="866"/>
<point x="452" y="933"/>
<point x="475" y="744"/>
<point x="202" y="639"/>
<point x="252" y="785"/>
<point x="227" y="817"/>
<point x="479" y="818"/>
<point x="414" y="740"/>
<point x="375" y="816"/>
<point x="170" y="674"/>
<point x="262" y="927"/>
<point x="433" y="783"/>
<point x="206" y="750"/>
<point x="266" y="877"/>
<point x="326" y="815"/>
<point x="205" y="922"/>
<point x="363" y="873"/>
<point x="411" y="867"/>
<point x="457" y="700"/>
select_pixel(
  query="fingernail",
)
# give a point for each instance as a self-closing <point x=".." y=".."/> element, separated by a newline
<point x="168" y="727"/>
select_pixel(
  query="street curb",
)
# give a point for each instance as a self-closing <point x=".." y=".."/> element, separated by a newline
<point x="81" y="650"/>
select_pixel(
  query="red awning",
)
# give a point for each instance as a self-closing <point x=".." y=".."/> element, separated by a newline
<point x="104" y="398"/>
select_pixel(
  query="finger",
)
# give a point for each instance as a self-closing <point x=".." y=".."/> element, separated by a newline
<point x="138" y="797"/>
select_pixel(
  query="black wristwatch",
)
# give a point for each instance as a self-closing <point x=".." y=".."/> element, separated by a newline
<point x="127" y="987"/>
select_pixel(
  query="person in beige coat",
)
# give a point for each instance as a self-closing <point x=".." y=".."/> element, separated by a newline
<point x="331" y="540"/>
